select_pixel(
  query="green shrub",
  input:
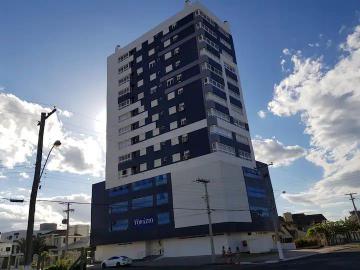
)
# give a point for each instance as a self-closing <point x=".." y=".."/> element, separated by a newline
<point x="306" y="243"/>
<point x="60" y="265"/>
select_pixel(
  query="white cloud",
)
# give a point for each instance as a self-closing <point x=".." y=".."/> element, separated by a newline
<point x="286" y="51"/>
<point x="272" y="150"/>
<point x="342" y="29"/>
<point x="328" y="43"/>
<point x="314" y="44"/>
<point x="18" y="134"/>
<point x="14" y="215"/>
<point x="24" y="175"/>
<point x="328" y="101"/>
<point x="261" y="114"/>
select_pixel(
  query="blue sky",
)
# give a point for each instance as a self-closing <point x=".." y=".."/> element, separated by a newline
<point x="54" y="53"/>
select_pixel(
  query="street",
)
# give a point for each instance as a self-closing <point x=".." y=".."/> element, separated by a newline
<point x="346" y="259"/>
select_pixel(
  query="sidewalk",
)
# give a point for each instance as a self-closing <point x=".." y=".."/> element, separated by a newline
<point x="244" y="257"/>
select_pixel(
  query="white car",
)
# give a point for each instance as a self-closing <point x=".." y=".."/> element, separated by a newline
<point x="116" y="261"/>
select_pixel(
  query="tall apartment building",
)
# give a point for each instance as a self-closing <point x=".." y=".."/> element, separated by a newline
<point x="175" y="113"/>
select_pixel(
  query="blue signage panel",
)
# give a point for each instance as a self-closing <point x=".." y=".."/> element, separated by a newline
<point x="251" y="173"/>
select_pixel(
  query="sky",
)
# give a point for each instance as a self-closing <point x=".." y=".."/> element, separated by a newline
<point x="299" y="63"/>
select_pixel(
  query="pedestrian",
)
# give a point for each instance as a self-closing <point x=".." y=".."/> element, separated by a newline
<point x="237" y="255"/>
<point x="223" y="252"/>
<point x="229" y="255"/>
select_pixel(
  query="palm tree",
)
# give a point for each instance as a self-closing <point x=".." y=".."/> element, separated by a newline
<point x="38" y="247"/>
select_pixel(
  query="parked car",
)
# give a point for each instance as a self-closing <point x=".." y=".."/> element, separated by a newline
<point x="116" y="261"/>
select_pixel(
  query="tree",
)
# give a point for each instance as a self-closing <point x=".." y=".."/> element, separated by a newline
<point x="38" y="247"/>
<point x="330" y="229"/>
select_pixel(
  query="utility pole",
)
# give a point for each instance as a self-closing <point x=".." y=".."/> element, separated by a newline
<point x="355" y="209"/>
<point x="67" y="211"/>
<point x="274" y="213"/>
<point x="206" y="197"/>
<point x="34" y="190"/>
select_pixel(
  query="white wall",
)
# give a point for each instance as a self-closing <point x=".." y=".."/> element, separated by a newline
<point x="134" y="250"/>
<point x="226" y="190"/>
<point x="193" y="246"/>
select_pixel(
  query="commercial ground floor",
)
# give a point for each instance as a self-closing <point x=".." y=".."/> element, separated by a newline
<point x="252" y="242"/>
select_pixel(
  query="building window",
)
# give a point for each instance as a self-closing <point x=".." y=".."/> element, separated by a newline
<point x="242" y="139"/>
<point x="170" y="82"/>
<point x="153" y="90"/>
<point x="152" y="76"/>
<point x="124" y="91"/>
<point x="143" y="184"/>
<point x="156" y="131"/>
<point x="169" y="68"/>
<point x="163" y="218"/>
<point x="124" y="104"/>
<point x="119" y="207"/>
<point x="167" y="43"/>
<point x="223" y="148"/>
<point x="123" y="57"/>
<point x="256" y="192"/>
<point x="172" y="110"/>
<point x="181" y="106"/>
<point x="171" y="95"/>
<point x="176" y="157"/>
<point x="143" y="151"/>
<point x="155" y="117"/>
<point x="124" y="173"/>
<point x="124" y="116"/>
<point x="138" y="59"/>
<point x="167" y="55"/>
<point x="161" y="180"/>
<point x="186" y="154"/>
<point x="176" y="51"/>
<point x="143" y="167"/>
<point x="151" y="64"/>
<point x="120" y="225"/>
<point x="125" y="129"/>
<point x="177" y="63"/>
<point x="244" y="155"/>
<point x="154" y="103"/>
<point x="179" y="77"/>
<point x="139" y="70"/>
<point x="184" y="138"/>
<point x="118" y="191"/>
<point x="162" y="198"/>
<point x="221" y="131"/>
<point x="173" y="125"/>
<point x="124" y="158"/>
<point x="157" y="147"/>
<point x="183" y="122"/>
<point x="123" y="80"/>
<point x="140" y="83"/>
<point x="123" y="68"/>
<point x="157" y="162"/>
<point x="151" y="52"/>
<point x="180" y="91"/>
<point x="175" y="38"/>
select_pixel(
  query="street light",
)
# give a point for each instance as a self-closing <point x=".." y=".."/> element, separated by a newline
<point x="274" y="214"/>
<point x="57" y="143"/>
<point x="37" y="176"/>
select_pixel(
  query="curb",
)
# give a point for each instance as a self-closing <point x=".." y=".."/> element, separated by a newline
<point x="293" y="258"/>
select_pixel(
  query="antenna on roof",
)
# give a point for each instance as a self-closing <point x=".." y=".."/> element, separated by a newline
<point x="187" y="3"/>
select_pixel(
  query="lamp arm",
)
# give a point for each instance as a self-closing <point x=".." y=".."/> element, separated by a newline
<point x="47" y="158"/>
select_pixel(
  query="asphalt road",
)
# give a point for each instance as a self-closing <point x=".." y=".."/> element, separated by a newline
<point x="348" y="259"/>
